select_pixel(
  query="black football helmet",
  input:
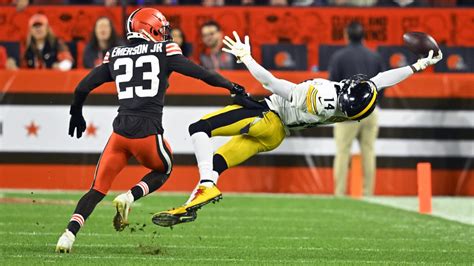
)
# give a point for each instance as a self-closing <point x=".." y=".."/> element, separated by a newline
<point x="357" y="97"/>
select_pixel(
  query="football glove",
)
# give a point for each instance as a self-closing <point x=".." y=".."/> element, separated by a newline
<point x="247" y="102"/>
<point x="423" y="63"/>
<point x="76" y="122"/>
<point x="237" y="90"/>
<point x="237" y="48"/>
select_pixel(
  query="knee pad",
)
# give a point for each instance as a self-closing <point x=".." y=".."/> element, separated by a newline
<point x="200" y="126"/>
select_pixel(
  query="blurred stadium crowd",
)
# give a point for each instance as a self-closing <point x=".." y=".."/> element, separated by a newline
<point x="42" y="48"/>
<point x="360" y="3"/>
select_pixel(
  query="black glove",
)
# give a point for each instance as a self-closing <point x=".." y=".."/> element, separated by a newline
<point x="76" y="121"/>
<point x="237" y="90"/>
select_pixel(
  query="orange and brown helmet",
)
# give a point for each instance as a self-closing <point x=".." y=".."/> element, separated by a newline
<point x="148" y="24"/>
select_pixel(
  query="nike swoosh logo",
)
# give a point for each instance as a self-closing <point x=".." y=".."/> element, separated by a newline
<point x="319" y="99"/>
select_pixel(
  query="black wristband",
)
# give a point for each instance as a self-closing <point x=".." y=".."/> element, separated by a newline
<point x="413" y="69"/>
<point x="75" y="110"/>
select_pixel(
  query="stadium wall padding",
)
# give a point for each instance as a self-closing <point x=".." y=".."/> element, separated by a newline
<point x="429" y="117"/>
<point x="311" y="26"/>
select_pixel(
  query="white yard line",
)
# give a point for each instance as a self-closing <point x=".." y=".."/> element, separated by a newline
<point x="459" y="209"/>
<point x="241" y="247"/>
<point x="218" y="216"/>
<point x="247" y="237"/>
<point x="150" y="257"/>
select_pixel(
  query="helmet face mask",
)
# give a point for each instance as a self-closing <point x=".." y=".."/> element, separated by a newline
<point x="357" y="98"/>
<point x="148" y="24"/>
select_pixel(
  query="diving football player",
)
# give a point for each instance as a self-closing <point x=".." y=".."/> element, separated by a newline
<point x="260" y="126"/>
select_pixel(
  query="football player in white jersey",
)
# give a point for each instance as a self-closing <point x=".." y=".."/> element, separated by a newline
<point x="260" y="126"/>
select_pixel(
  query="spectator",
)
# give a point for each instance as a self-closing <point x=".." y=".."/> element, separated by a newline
<point x="210" y="3"/>
<point x="20" y="4"/>
<point x="5" y="61"/>
<point x="213" y="58"/>
<point x="352" y="2"/>
<point x="43" y="48"/>
<point x="351" y="60"/>
<point x="102" y="39"/>
<point x="278" y="2"/>
<point x="92" y="2"/>
<point x="400" y="3"/>
<point x="179" y="38"/>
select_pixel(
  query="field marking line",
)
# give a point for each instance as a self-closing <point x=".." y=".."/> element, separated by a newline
<point x="183" y="236"/>
<point x="296" y="221"/>
<point x="32" y="201"/>
<point x="265" y="261"/>
<point x="240" y="247"/>
<point x="438" y="214"/>
<point x="299" y="229"/>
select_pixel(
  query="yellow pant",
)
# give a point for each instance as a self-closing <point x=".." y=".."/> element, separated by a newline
<point x="253" y="131"/>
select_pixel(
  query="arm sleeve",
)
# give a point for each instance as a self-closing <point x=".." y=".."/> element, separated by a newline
<point x="391" y="77"/>
<point x="183" y="65"/>
<point x="94" y="79"/>
<point x="278" y="86"/>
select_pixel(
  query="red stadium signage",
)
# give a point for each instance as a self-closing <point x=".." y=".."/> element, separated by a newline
<point x="310" y="26"/>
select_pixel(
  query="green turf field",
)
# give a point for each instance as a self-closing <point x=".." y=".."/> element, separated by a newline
<point x="240" y="229"/>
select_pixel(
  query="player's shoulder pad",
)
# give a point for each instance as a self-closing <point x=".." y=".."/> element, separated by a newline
<point x="172" y="48"/>
<point x="312" y="82"/>
<point x="319" y="81"/>
<point x="106" y="59"/>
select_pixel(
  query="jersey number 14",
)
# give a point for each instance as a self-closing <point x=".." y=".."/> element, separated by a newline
<point x="152" y="76"/>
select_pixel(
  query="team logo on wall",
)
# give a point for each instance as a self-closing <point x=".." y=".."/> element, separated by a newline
<point x="398" y="60"/>
<point x="456" y="62"/>
<point x="284" y="59"/>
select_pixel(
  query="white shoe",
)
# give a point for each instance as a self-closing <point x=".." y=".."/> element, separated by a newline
<point x="65" y="242"/>
<point x="122" y="204"/>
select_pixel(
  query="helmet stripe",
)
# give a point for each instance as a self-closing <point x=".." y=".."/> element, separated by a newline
<point x="129" y="22"/>
<point x="367" y="108"/>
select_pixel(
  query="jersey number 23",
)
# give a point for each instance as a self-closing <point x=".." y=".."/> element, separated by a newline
<point x="126" y="77"/>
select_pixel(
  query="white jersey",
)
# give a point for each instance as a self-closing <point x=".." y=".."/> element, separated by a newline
<point x="313" y="102"/>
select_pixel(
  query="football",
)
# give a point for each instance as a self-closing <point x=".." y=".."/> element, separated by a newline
<point x="420" y="43"/>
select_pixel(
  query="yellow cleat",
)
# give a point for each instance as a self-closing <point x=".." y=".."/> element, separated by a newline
<point x="187" y="212"/>
<point x="174" y="216"/>
<point x="203" y="196"/>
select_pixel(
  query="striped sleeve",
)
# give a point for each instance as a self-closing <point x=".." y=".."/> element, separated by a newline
<point x="106" y="58"/>
<point x="172" y="49"/>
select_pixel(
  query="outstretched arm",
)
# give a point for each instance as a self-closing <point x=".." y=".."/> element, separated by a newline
<point x="183" y="65"/>
<point x="241" y="50"/>
<point x="391" y="77"/>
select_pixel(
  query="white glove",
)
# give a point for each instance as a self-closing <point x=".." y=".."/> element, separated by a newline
<point x="237" y="48"/>
<point x="423" y="63"/>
